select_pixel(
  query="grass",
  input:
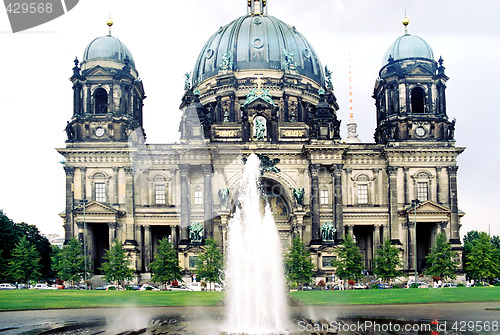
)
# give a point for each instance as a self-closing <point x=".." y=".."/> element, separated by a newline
<point x="41" y="299"/>
<point x="399" y="296"/>
<point x="47" y="299"/>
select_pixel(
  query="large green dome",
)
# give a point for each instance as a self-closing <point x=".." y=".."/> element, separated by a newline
<point x="108" y="48"/>
<point x="406" y="47"/>
<point x="257" y="42"/>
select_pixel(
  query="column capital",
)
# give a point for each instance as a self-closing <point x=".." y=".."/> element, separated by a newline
<point x="83" y="169"/>
<point x="452" y="169"/>
<point x="336" y="169"/>
<point x="128" y="170"/>
<point x="70" y="171"/>
<point x="392" y="170"/>
<point x="184" y="169"/>
<point x="314" y="169"/>
<point x="208" y="169"/>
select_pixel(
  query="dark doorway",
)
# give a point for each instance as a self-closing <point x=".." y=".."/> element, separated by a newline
<point x="101" y="101"/>
<point x="364" y="237"/>
<point x="424" y="243"/>
<point x="98" y="244"/>
<point x="417" y="100"/>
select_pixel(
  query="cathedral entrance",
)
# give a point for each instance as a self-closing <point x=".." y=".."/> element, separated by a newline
<point x="97" y="245"/>
<point x="425" y="239"/>
<point x="364" y="237"/>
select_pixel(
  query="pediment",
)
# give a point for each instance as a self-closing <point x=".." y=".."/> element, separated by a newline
<point x="428" y="207"/>
<point x="99" y="71"/>
<point x="420" y="70"/>
<point x="97" y="208"/>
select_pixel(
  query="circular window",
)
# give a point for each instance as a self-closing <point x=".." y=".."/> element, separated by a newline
<point x="99" y="131"/>
<point x="257" y="20"/>
<point x="209" y="53"/>
<point x="257" y="43"/>
<point x="420" y="131"/>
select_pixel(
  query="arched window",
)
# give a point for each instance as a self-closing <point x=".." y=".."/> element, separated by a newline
<point x="99" y="187"/>
<point x="422" y="185"/>
<point x="100" y="101"/>
<point x="417" y="100"/>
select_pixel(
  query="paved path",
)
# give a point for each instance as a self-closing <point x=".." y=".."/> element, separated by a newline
<point x="30" y="322"/>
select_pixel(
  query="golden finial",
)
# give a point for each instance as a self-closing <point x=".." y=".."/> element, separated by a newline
<point x="406" y="22"/>
<point x="109" y="22"/>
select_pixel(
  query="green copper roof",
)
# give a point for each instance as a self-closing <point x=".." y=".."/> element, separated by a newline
<point x="108" y="48"/>
<point x="408" y="46"/>
<point x="257" y="42"/>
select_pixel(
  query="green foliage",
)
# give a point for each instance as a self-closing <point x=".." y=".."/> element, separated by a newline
<point x="210" y="263"/>
<point x="165" y="266"/>
<point x="348" y="265"/>
<point x="483" y="260"/>
<point x="70" y="262"/>
<point x="441" y="260"/>
<point x="117" y="268"/>
<point x="298" y="263"/>
<point x="387" y="261"/>
<point x="495" y="240"/>
<point x="25" y="262"/>
<point x="10" y="235"/>
<point x="460" y="285"/>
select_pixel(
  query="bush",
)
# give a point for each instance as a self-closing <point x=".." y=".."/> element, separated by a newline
<point x="129" y="288"/>
<point x="149" y="288"/>
<point x="497" y="284"/>
<point x="374" y="286"/>
<point x="395" y="286"/>
<point x="111" y="288"/>
<point x="460" y="285"/>
<point x="414" y="285"/>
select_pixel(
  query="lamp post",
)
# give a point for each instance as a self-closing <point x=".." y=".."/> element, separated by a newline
<point x="415" y="203"/>
<point x="84" y="203"/>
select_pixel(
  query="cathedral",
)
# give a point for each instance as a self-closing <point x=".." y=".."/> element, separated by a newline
<point x="259" y="87"/>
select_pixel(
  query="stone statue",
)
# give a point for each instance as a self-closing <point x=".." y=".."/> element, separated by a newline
<point x="289" y="60"/>
<point x="187" y="81"/>
<point x="299" y="196"/>
<point x="328" y="232"/>
<point x="328" y="75"/>
<point x="223" y="196"/>
<point x="260" y="129"/>
<point x="70" y="132"/>
<point x="227" y="62"/>
<point x="196" y="233"/>
<point x="451" y="130"/>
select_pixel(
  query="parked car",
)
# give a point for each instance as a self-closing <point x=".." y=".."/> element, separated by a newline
<point x="43" y="287"/>
<point x="178" y="288"/>
<point x="112" y="287"/>
<point x="134" y="287"/>
<point x="147" y="287"/>
<point x="359" y="286"/>
<point x="307" y="288"/>
<point x="194" y="286"/>
<point x="383" y="286"/>
<point x="449" y="285"/>
<point x="7" y="286"/>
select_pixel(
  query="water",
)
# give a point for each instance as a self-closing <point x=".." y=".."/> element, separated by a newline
<point x="256" y="297"/>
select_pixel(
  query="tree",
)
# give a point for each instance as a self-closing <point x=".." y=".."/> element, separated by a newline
<point x="469" y="238"/>
<point x="210" y="263"/>
<point x="441" y="260"/>
<point x="71" y="265"/>
<point x="165" y="266"/>
<point x="25" y="262"/>
<point x="483" y="260"/>
<point x="387" y="261"/>
<point x="349" y="264"/>
<point x="117" y="268"/>
<point x="298" y="263"/>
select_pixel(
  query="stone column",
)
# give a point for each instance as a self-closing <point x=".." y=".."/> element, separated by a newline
<point x="439" y="187"/>
<point x="315" y="235"/>
<point x="88" y="101"/>
<point x="111" y="100"/>
<point x="392" y="171"/>
<point x="208" y="200"/>
<point x="175" y="239"/>
<point x="407" y="197"/>
<point x="81" y="231"/>
<point x="406" y="250"/>
<point x="83" y="182"/>
<point x="376" y="186"/>
<point x="129" y="205"/>
<point x="185" y="212"/>
<point x="376" y="237"/>
<point x="68" y="221"/>
<point x="454" y="225"/>
<point x="411" y="246"/>
<point x="116" y="177"/>
<point x="350" y="230"/>
<point x="112" y="226"/>
<point x="223" y="230"/>
<point x="348" y="185"/>
<point x="337" y="193"/>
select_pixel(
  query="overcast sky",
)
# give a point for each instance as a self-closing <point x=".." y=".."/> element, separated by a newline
<point x="165" y="38"/>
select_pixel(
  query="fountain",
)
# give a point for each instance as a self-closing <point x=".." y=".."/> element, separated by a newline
<point x="256" y="298"/>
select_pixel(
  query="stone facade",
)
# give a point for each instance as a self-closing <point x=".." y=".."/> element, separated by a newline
<point x="119" y="187"/>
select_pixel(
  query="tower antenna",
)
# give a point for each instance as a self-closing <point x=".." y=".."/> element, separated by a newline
<point x="352" y="127"/>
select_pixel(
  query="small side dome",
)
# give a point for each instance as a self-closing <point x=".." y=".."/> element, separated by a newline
<point x="408" y="46"/>
<point x="108" y="48"/>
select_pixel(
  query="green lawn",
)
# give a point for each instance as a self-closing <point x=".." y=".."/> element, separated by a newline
<point x="44" y="299"/>
<point x="40" y="299"/>
<point x="398" y="296"/>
